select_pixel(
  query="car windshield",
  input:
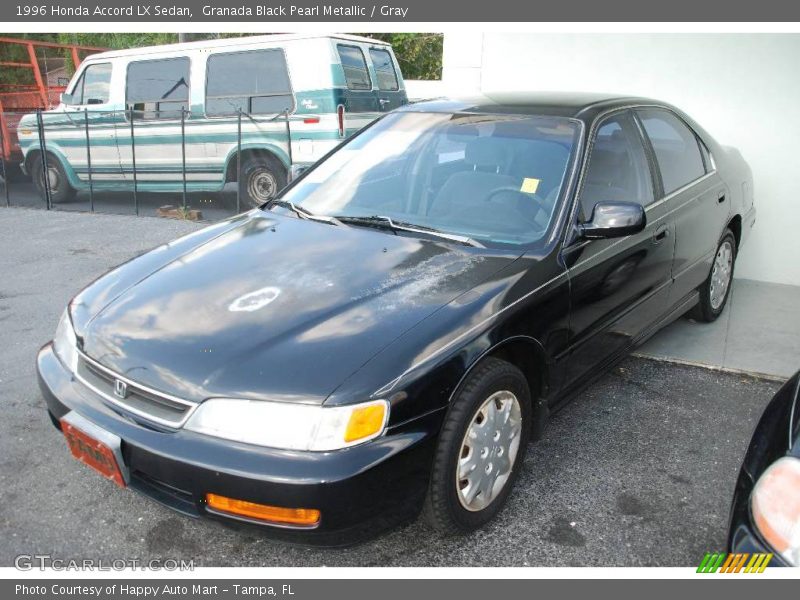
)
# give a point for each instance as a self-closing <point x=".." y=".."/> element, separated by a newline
<point x="492" y="179"/>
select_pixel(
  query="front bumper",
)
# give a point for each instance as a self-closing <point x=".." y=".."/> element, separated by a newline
<point x="360" y="491"/>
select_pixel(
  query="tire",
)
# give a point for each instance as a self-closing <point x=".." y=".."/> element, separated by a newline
<point x="262" y="177"/>
<point x="711" y="303"/>
<point x="448" y="507"/>
<point x="60" y="189"/>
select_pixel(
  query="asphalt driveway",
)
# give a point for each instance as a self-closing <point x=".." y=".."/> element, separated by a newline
<point x="638" y="470"/>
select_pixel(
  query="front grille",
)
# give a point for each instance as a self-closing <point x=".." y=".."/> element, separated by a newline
<point x="138" y="399"/>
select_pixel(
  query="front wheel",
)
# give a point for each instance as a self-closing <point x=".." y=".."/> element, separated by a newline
<point x="717" y="287"/>
<point x="261" y="179"/>
<point x="480" y="449"/>
<point x="60" y="189"/>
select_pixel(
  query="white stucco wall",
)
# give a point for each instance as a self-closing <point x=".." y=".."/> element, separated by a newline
<point x="743" y="88"/>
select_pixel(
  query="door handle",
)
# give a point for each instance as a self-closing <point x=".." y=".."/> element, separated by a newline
<point x="721" y="197"/>
<point x="384" y="102"/>
<point x="661" y="234"/>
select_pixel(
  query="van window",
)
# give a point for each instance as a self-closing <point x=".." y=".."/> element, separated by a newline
<point x="158" y="89"/>
<point x="384" y="69"/>
<point x="355" y="68"/>
<point x="93" y="85"/>
<point x="676" y="147"/>
<point x="255" y="82"/>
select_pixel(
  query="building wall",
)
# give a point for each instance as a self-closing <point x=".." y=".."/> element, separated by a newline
<point x="743" y="88"/>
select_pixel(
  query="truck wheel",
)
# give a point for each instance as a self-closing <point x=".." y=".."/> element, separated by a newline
<point x="717" y="287"/>
<point x="262" y="178"/>
<point x="60" y="189"/>
<point x="480" y="449"/>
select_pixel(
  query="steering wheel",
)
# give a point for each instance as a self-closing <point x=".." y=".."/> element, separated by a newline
<point x="531" y="199"/>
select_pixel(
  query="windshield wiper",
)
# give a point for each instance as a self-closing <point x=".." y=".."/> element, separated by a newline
<point x="395" y="226"/>
<point x="304" y="213"/>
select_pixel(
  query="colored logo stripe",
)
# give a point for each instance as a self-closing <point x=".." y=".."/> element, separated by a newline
<point x="734" y="562"/>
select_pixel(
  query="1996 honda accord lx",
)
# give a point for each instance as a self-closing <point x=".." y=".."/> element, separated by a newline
<point x="388" y="334"/>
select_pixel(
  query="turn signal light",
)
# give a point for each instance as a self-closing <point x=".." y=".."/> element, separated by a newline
<point x="365" y="421"/>
<point x="306" y="517"/>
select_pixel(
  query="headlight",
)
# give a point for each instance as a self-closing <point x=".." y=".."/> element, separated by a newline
<point x="65" y="343"/>
<point x="290" y="426"/>
<point x="776" y="507"/>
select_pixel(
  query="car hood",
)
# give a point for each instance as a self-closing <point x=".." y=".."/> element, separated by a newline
<point x="269" y="306"/>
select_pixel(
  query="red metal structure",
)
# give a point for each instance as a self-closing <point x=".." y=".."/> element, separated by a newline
<point x="19" y="99"/>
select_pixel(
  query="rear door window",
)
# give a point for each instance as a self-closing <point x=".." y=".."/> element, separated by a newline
<point x="158" y="89"/>
<point x="255" y="82"/>
<point x="384" y="69"/>
<point x="93" y="86"/>
<point x="676" y="147"/>
<point x="355" y="67"/>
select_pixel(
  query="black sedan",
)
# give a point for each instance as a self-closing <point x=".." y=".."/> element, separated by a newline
<point x="765" y="515"/>
<point x="389" y="333"/>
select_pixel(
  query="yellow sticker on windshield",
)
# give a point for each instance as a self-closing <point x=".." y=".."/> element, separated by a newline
<point x="529" y="185"/>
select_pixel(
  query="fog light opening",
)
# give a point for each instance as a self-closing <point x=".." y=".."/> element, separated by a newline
<point x="299" y="517"/>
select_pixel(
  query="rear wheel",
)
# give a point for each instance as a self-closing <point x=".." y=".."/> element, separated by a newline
<point x="717" y="287"/>
<point x="480" y="448"/>
<point x="60" y="189"/>
<point x="262" y="178"/>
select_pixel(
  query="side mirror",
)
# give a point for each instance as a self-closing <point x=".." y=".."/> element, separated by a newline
<point x="614" y="219"/>
<point x="66" y="98"/>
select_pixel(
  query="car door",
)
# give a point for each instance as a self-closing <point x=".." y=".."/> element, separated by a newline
<point x="618" y="287"/>
<point x="387" y="83"/>
<point x="693" y="193"/>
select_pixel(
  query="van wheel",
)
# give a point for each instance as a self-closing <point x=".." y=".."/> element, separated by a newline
<point x="717" y="287"/>
<point x="262" y="178"/>
<point x="60" y="189"/>
<point x="480" y="449"/>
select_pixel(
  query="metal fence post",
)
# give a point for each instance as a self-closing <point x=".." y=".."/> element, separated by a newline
<point x="289" y="138"/>
<point x="183" y="151"/>
<point x="3" y="160"/>
<point x="88" y="159"/>
<point x="43" y="151"/>
<point x="133" y="165"/>
<point x="239" y="161"/>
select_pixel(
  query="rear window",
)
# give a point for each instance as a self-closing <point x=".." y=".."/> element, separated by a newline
<point x="384" y="69"/>
<point x="255" y="82"/>
<point x="158" y="89"/>
<point x="355" y="68"/>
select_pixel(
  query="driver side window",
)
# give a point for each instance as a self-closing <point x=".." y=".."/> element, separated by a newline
<point x="93" y="85"/>
<point x="618" y="170"/>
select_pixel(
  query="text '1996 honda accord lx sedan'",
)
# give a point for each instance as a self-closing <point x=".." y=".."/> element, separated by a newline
<point x="389" y="333"/>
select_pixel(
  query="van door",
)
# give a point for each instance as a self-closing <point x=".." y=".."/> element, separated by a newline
<point x="91" y="102"/>
<point x="387" y="80"/>
<point x="156" y="92"/>
<point x="359" y="96"/>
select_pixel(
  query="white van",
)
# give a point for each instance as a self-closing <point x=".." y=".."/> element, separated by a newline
<point x="153" y="114"/>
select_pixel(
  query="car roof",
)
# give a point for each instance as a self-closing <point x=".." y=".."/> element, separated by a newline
<point x="231" y="43"/>
<point x="580" y="105"/>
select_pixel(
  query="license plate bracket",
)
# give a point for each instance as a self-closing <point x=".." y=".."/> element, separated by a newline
<point x="95" y="447"/>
